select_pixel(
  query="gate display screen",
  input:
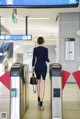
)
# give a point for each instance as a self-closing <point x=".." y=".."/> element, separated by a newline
<point x="39" y="3"/>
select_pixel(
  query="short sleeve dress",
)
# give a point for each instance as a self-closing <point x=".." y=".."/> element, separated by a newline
<point x="40" y="57"/>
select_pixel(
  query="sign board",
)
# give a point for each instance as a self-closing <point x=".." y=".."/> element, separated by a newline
<point x="39" y="3"/>
<point x="69" y="48"/>
<point x="16" y="37"/>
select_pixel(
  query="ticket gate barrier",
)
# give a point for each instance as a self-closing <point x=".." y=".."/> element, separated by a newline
<point x="79" y="87"/>
<point x="19" y="90"/>
<point x="56" y="90"/>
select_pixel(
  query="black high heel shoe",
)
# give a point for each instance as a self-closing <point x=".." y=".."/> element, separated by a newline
<point x="41" y="106"/>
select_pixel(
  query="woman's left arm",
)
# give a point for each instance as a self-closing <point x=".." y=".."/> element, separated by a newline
<point x="46" y="56"/>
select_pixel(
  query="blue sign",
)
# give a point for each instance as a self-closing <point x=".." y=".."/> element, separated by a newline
<point x="34" y="3"/>
<point x="13" y="92"/>
<point x="16" y="37"/>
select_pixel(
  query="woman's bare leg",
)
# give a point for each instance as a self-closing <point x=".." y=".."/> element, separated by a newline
<point x="42" y="91"/>
<point x="42" y="88"/>
<point x="38" y="88"/>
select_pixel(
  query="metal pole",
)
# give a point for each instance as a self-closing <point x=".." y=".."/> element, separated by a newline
<point x="26" y="25"/>
<point x="0" y="25"/>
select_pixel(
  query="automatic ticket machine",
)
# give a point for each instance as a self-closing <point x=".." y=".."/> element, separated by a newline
<point x="56" y="90"/>
<point x="19" y="90"/>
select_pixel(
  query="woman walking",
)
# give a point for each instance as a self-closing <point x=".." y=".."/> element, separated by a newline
<point x="40" y="57"/>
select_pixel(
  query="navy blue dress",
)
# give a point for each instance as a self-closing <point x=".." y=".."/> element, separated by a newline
<point x="40" y="56"/>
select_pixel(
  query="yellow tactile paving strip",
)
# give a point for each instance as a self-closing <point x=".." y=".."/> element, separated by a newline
<point x="74" y="89"/>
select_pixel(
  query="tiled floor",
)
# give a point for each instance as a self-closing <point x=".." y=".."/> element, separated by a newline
<point x="33" y="111"/>
<point x="71" y="105"/>
<point x="71" y="110"/>
<point x="71" y="102"/>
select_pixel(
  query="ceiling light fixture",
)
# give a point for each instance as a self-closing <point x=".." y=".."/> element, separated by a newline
<point x="39" y="18"/>
<point x="36" y="28"/>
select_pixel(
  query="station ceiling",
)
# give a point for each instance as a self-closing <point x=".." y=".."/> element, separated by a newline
<point x="41" y="22"/>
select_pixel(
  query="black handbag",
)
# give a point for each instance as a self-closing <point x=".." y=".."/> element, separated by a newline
<point x="33" y="80"/>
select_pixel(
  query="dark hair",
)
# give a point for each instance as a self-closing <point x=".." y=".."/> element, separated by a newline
<point x="40" y="40"/>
